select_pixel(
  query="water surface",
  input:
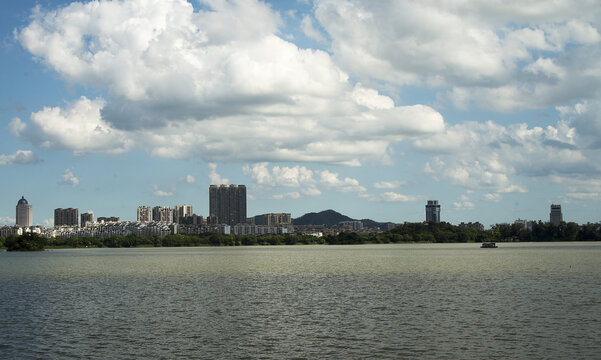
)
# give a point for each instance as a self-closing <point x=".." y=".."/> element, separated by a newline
<point x="522" y="300"/>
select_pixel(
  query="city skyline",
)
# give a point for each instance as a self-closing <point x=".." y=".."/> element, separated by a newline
<point x="490" y="109"/>
<point x="236" y="196"/>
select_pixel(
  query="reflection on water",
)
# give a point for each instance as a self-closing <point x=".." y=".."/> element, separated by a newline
<point x="377" y="301"/>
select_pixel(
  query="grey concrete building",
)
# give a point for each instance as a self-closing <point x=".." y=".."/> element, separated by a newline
<point x="433" y="211"/>
<point x="227" y="204"/>
<point x="555" y="216"/>
<point x="86" y="218"/>
<point x="66" y="217"/>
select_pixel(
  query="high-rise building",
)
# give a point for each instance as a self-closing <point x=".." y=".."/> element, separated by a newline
<point x="277" y="219"/>
<point x="24" y="213"/>
<point x="555" y="217"/>
<point x="227" y="204"/>
<point x="144" y="214"/>
<point x="181" y="212"/>
<point x="67" y="217"/>
<point x="162" y="214"/>
<point x="433" y="211"/>
<point x="86" y="218"/>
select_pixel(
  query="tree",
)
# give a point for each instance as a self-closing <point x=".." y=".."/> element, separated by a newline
<point x="26" y="242"/>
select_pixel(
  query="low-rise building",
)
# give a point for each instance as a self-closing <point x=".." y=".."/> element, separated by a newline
<point x="473" y="225"/>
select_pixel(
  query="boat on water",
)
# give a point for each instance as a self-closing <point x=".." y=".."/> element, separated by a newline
<point x="489" y="245"/>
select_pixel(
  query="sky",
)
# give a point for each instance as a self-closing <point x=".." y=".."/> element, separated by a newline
<point x="368" y="108"/>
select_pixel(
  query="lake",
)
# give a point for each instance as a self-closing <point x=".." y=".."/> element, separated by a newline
<point x="426" y="301"/>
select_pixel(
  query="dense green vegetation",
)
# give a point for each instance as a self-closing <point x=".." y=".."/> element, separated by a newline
<point x="326" y="217"/>
<point x="406" y="233"/>
<point x="25" y="242"/>
<point x="208" y="239"/>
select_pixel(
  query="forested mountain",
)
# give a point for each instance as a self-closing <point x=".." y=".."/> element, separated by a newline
<point x="326" y="217"/>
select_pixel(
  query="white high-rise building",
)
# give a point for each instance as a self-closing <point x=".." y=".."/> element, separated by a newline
<point x="24" y="213"/>
<point x="180" y="212"/>
<point x="162" y="214"/>
<point x="144" y="214"/>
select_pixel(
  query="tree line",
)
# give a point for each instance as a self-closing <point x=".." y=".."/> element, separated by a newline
<point x="406" y="233"/>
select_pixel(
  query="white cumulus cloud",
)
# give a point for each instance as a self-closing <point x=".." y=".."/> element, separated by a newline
<point x="163" y="192"/>
<point x="78" y="127"/>
<point x="69" y="178"/>
<point x="290" y="195"/>
<point x="309" y="29"/>
<point x="331" y="180"/>
<point x="388" y="184"/>
<point x="19" y="157"/>
<point x="492" y="157"/>
<point x="218" y="84"/>
<point x="396" y="197"/>
<point x="214" y="177"/>
<point x="7" y="221"/>
<point x="487" y="53"/>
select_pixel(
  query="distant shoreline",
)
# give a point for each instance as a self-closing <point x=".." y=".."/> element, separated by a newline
<point x="408" y="233"/>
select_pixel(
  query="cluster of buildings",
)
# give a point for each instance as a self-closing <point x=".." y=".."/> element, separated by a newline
<point x="433" y="215"/>
<point x="227" y="215"/>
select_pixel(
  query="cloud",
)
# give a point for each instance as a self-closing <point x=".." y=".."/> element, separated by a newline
<point x="311" y="191"/>
<point x="7" y="221"/>
<point x="491" y="157"/>
<point x="190" y="179"/>
<point x="492" y="197"/>
<point x="218" y="84"/>
<point x="498" y="55"/>
<point x="69" y="178"/>
<point x="331" y="180"/>
<point x="214" y="177"/>
<point x="395" y="197"/>
<point x="296" y="176"/>
<point x="310" y="31"/>
<point x="163" y="193"/>
<point x="19" y="157"/>
<point x="580" y="188"/>
<point x="301" y="177"/>
<point x="279" y="176"/>
<point x="388" y="184"/>
<point x="585" y="119"/>
<point x="583" y="196"/>
<point x="78" y="127"/>
<point x="463" y="205"/>
<point x="290" y="195"/>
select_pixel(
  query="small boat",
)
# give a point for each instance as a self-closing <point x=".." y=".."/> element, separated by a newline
<point x="489" y="245"/>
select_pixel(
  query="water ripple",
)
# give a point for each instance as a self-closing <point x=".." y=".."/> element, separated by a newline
<point x="376" y="302"/>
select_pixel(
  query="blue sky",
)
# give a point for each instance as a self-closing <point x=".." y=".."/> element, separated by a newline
<point x="368" y="108"/>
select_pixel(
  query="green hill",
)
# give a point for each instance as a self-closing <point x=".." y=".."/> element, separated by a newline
<point x="326" y="217"/>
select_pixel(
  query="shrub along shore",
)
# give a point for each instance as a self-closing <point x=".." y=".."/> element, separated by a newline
<point x="406" y="233"/>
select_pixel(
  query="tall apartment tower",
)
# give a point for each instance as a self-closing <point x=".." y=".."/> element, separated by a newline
<point x="277" y="219"/>
<point x="144" y="214"/>
<point x="555" y="217"/>
<point x="227" y="204"/>
<point x="68" y="217"/>
<point x="24" y="213"/>
<point x="86" y="218"/>
<point x="180" y="212"/>
<point x="433" y="211"/>
<point x="162" y="214"/>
